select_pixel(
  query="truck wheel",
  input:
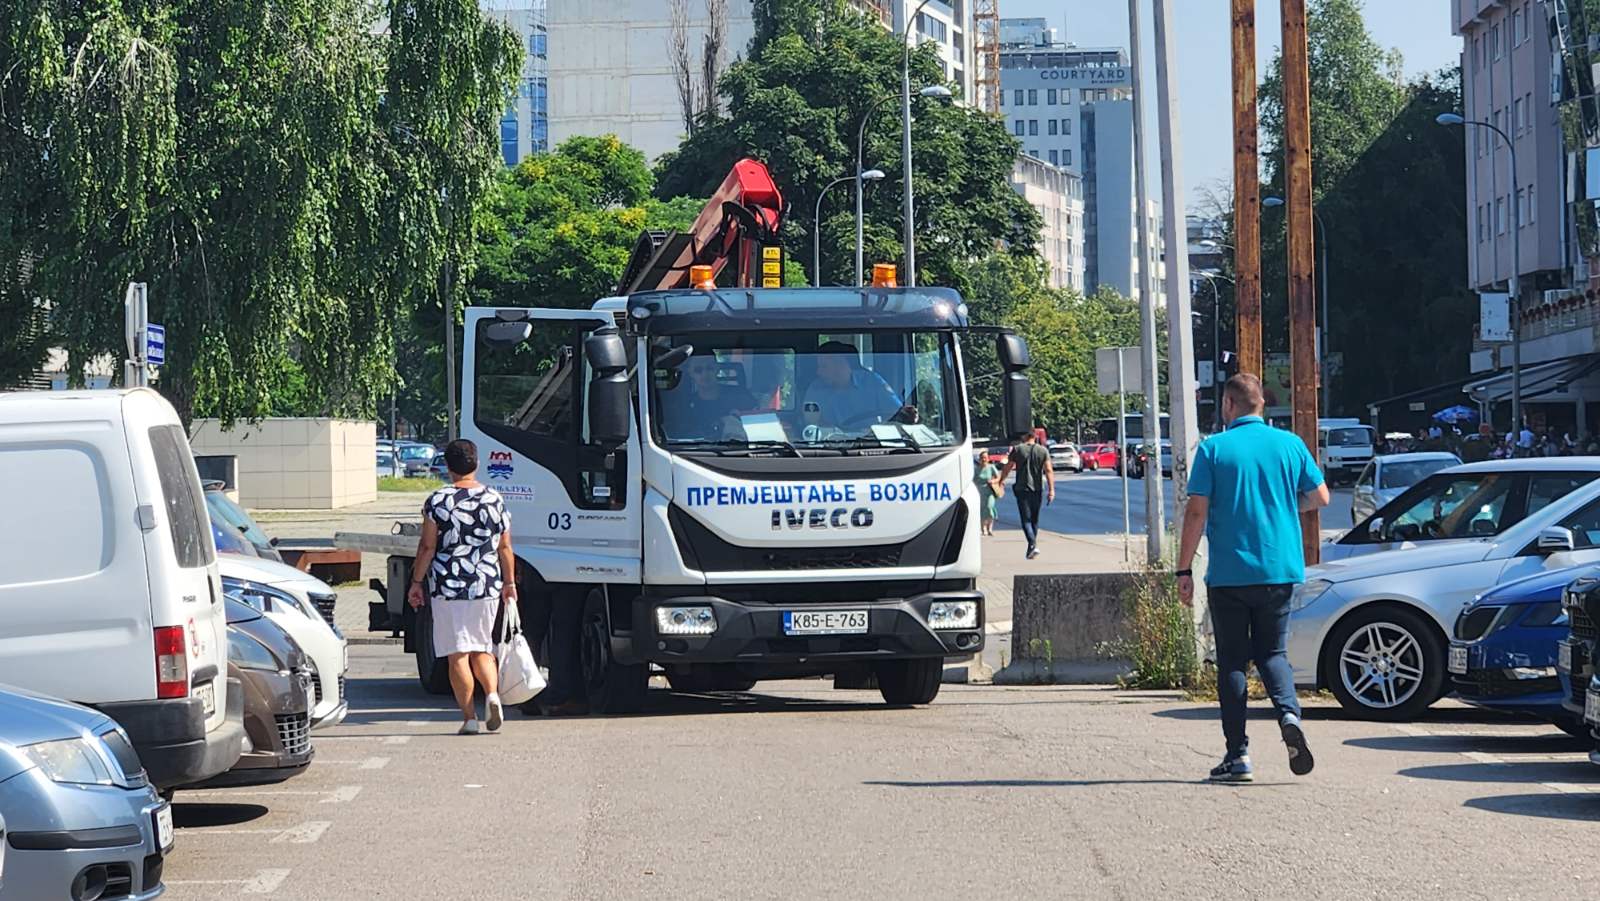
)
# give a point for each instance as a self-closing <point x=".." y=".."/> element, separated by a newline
<point x="1385" y="662"/>
<point x="433" y="673"/>
<point x="612" y="687"/>
<point x="908" y="682"/>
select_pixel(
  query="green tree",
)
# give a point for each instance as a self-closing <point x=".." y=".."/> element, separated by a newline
<point x="285" y="180"/>
<point x="1388" y="187"/>
<point x="814" y="69"/>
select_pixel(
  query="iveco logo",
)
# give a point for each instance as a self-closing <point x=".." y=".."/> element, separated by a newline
<point x="821" y="518"/>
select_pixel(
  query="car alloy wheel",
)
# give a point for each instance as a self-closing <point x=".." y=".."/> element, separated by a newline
<point x="1381" y="665"/>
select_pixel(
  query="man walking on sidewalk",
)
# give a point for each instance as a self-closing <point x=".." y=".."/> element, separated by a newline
<point x="1035" y="481"/>
<point x="1247" y="488"/>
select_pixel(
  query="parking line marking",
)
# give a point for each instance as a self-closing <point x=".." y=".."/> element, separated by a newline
<point x="380" y="739"/>
<point x="265" y="882"/>
<point x="342" y="794"/>
<point x="304" y="834"/>
<point x="1481" y="757"/>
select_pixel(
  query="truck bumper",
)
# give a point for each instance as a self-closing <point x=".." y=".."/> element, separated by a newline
<point x="753" y="632"/>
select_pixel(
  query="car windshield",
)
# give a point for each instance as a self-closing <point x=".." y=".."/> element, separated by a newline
<point x="416" y="452"/>
<point x="1405" y="473"/>
<point x="385" y="458"/>
<point x="1355" y="437"/>
<point x="1468" y="505"/>
<point x="228" y="540"/>
<point x="225" y="511"/>
<point x="795" y="392"/>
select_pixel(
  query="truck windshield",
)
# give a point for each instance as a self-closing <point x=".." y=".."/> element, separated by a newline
<point x="1350" y="437"/>
<point x="795" y="392"/>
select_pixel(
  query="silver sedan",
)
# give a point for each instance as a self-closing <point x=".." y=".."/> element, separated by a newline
<point x="1389" y="475"/>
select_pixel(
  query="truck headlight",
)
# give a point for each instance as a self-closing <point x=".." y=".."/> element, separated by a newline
<point x="70" y="760"/>
<point x="953" y="615"/>
<point x="686" y="620"/>
<point x="1306" y="592"/>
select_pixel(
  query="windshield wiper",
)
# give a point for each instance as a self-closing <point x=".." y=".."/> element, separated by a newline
<point x="872" y="443"/>
<point x="722" y="446"/>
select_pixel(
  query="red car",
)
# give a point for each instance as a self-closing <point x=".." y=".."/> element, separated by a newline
<point x="999" y="455"/>
<point x="1099" y="456"/>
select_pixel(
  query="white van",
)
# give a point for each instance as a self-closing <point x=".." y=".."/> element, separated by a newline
<point x="1345" y="447"/>
<point x="109" y="592"/>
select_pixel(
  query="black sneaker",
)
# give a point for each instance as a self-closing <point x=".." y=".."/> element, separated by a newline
<point x="1234" y="769"/>
<point x="1300" y="759"/>
<point x="1032" y="553"/>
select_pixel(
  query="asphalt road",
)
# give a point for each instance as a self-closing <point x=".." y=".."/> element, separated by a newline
<point x="1090" y="503"/>
<point x="801" y="791"/>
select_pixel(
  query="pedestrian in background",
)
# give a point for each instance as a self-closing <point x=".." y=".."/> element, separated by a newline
<point x="1247" y="488"/>
<point x="1036" y="483"/>
<point x="989" y="491"/>
<point x="463" y="572"/>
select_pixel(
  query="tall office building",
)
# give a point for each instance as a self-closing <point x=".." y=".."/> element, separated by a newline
<point x="525" y="127"/>
<point x="1057" y="196"/>
<point x="1073" y="107"/>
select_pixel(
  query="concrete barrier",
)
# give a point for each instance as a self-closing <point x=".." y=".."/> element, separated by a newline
<point x="1060" y="625"/>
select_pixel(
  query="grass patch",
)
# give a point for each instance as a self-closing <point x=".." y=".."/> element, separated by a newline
<point x="391" y="483"/>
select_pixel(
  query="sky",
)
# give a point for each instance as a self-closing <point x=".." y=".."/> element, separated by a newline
<point x="1419" y="29"/>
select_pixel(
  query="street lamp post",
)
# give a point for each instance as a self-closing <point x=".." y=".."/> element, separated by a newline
<point x="910" y="279"/>
<point x="1216" y="341"/>
<point x="1516" y="265"/>
<point x="1322" y="298"/>
<point x="938" y="91"/>
<point x="816" y="227"/>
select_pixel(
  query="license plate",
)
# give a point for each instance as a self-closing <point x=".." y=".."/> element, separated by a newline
<point x="1458" y="659"/>
<point x="207" y="694"/>
<point x="824" y="622"/>
<point x="164" y="827"/>
<point x="1591" y="707"/>
<point x="1564" y="656"/>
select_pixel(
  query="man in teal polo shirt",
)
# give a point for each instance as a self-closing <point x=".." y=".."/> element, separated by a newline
<point x="1247" y="488"/>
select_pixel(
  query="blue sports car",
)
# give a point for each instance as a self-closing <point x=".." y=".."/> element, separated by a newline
<point x="1503" y="654"/>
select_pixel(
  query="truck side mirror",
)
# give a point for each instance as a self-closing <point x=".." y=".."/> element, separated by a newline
<point x="1017" y="400"/>
<point x="610" y="392"/>
<point x="1013" y="352"/>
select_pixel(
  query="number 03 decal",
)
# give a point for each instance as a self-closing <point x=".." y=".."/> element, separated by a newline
<point x="560" y="521"/>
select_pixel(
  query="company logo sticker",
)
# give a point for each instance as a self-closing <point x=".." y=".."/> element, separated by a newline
<point x="516" y="492"/>
<point x="500" y="465"/>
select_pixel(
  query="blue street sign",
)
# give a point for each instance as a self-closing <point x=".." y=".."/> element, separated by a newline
<point x="155" y="344"/>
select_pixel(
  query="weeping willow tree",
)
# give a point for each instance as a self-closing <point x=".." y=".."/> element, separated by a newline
<point x="289" y="178"/>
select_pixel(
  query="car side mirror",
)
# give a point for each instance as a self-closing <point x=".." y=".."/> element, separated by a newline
<point x="1555" y="540"/>
<point x="1375" y="528"/>
<point x="610" y="392"/>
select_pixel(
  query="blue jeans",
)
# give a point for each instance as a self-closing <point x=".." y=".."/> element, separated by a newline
<point x="1028" y="511"/>
<point x="1251" y="623"/>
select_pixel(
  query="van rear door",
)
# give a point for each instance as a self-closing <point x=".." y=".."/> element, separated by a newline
<point x="74" y="599"/>
<point x="189" y="619"/>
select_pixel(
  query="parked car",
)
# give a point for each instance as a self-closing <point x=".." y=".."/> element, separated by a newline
<point x="109" y="590"/>
<point x="1389" y="475"/>
<point x="1472" y="502"/>
<point x="1576" y="652"/>
<point x="389" y="465"/>
<point x="1503" y="655"/>
<point x="1591" y="716"/>
<point x="227" y="539"/>
<point x="276" y="676"/>
<point x="224" y="509"/>
<point x="1345" y="448"/>
<point x="1064" y="456"/>
<point x="1373" y="629"/>
<point x="1100" y="456"/>
<point x="439" y="468"/>
<point x="416" y="458"/>
<point x="81" y="819"/>
<point x="302" y="605"/>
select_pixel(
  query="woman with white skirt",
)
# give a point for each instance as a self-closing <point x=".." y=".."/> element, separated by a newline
<point x="464" y="562"/>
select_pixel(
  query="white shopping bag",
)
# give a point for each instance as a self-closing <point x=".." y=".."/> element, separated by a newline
<point x="520" y="678"/>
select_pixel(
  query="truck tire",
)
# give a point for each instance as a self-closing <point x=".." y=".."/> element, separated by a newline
<point x="432" y="673"/>
<point x="905" y="683"/>
<point x="611" y="687"/>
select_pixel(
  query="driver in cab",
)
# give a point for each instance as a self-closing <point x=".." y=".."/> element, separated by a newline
<point x="701" y="403"/>
<point x="846" y="394"/>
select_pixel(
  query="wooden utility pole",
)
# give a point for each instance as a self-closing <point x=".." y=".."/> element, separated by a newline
<point x="1246" y="194"/>
<point x="1302" y="249"/>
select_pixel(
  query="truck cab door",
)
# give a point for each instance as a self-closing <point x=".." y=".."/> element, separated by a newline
<point x="574" y="502"/>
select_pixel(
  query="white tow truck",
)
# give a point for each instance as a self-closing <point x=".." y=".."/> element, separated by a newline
<point x="731" y="484"/>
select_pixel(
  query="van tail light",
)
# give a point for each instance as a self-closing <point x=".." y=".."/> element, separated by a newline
<point x="172" y="663"/>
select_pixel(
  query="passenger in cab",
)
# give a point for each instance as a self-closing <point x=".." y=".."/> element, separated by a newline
<point x="701" y="402"/>
<point x="848" y="395"/>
